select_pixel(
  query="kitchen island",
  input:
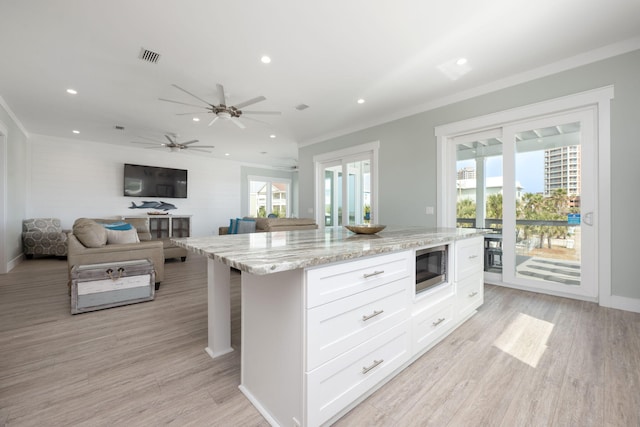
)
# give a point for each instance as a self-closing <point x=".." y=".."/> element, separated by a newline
<point x="328" y="316"/>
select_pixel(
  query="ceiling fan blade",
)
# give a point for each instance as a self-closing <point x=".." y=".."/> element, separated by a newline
<point x="192" y="114"/>
<point x="195" y="149"/>
<point x="237" y="122"/>
<point x="274" y="113"/>
<point x="221" y="96"/>
<point x="181" y="103"/>
<point x="149" y="139"/>
<point x="255" y="120"/>
<point x="249" y="102"/>
<point x="213" y="121"/>
<point x="147" y="143"/>
<point x="171" y="141"/>
<point x="155" y="148"/>
<point x="189" y="142"/>
<point x="189" y="93"/>
<point x="202" y="146"/>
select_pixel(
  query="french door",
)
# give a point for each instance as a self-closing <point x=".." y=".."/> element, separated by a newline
<point x="534" y="183"/>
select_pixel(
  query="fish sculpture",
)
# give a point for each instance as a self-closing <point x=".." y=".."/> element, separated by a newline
<point x="153" y="205"/>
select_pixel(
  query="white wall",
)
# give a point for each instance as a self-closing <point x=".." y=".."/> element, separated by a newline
<point x="72" y="178"/>
<point x="13" y="182"/>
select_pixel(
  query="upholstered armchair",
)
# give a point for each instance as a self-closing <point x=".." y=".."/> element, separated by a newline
<point x="43" y="236"/>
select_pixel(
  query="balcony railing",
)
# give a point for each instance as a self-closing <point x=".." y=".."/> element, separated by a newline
<point x="496" y="223"/>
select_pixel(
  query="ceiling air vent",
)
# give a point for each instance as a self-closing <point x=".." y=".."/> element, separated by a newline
<point x="149" y="56"/>
<point x="301" y="107"/>
<point x="118" y="127"/>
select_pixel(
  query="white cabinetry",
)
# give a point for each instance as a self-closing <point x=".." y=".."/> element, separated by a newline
<point x="357" y="330"/>
<point x="316" y="341"/>
<point x="469" y="275"/>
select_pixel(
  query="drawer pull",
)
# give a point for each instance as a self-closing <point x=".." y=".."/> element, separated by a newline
<point x="437" y="322"/>
<point x="473" y="294"/>
<point x="375" y="273"/>
<point x="372" y="315"/>
<point x="366" y="369"/>
<point x="473" y="256"/>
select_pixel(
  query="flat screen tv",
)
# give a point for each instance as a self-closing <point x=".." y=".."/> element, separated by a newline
<point x="151" y="181"/>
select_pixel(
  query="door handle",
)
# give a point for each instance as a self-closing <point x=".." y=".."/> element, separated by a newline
<point x="588" y="219"/>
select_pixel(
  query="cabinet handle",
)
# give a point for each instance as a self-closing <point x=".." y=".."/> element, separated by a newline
<point x="374" y="314"/>
<point x="473" y="294"/>
<point x="366" y="369"/>
<point x="375" y="273"/>
<point x="437" y="322"/>
<point x="473" y="256"/>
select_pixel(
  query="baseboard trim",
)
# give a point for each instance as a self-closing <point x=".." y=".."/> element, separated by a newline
<point x="625" y="303"/>
<point x="15" y="262"/>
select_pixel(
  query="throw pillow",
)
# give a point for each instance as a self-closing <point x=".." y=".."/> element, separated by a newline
<point x="245" y="226"/>
<point x="116" y="237"/>
<point x="90" y="233"/>
<point x="119" y="225"/>
<point x="233" y="226"/>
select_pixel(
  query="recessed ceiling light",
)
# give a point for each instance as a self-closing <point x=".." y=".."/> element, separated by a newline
<point x="360" y="101"/>
<point x="196" y="119"/>
<point x="72" y="91"/>
<point x="272" y="136"/>
<point x="227" y="154"/>
<point x="75" y="131"/>
<point x="265" y="59"/>
<point x="461" y="61"/>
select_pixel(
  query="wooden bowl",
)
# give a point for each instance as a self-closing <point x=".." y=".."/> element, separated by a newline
<point x="365" y="228"/>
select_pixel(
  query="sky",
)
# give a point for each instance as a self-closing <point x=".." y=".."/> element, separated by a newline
<point x="529" y="169"/>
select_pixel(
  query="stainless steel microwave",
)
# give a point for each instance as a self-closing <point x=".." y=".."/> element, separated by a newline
<point x="431" y="267"/>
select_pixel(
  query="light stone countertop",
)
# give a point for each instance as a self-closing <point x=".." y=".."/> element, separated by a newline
<point x="266" y="253"/>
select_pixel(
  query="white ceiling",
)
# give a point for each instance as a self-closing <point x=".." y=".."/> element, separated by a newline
<point x="326" y="54"/>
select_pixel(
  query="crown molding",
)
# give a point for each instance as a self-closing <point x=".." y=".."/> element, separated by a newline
<point x="13" y="117"/>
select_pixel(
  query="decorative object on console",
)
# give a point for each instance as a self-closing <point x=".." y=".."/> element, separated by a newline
<point x="153" y="205"/>
<point x="43" y="236"/>
<point x="365" y="228"/>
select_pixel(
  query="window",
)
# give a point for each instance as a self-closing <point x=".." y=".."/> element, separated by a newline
<point x="269" y="196"/>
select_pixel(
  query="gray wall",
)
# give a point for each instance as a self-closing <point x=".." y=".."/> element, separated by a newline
<point x="15" y="186"/>
<point x="408" y="151"/>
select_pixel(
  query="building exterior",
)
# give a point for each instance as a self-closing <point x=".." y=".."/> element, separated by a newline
<point x="562" y="170"/>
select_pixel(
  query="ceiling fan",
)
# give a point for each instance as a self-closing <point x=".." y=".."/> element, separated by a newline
<point x="174" y="145"/>
<point x="222" y="111"/>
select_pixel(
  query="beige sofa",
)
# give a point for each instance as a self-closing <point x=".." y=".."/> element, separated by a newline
<point x="278" y="224"/>
<point x="91" y="243"/>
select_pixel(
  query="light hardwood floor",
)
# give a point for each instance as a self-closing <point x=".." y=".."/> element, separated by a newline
<point x="523" y="360"/>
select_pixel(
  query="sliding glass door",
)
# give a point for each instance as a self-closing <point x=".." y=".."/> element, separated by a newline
<point x="533" y="183"/>
<point x="551" y="242"/>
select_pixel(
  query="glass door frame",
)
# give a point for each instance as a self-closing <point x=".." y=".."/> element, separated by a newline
<point x="367" y="151"/>
<point x="599" y="100"/>
<point x="588" y="288"/>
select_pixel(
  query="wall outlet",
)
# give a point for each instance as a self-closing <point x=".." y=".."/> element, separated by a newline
<point x="429" y="210"/>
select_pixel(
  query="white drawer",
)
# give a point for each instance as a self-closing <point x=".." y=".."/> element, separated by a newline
<point x="470" y="294"/>
<point x="339" y="326"/>
<point x="326" y="284"/>
<point x="431" y="323"/>
<point x="469" y="257"/>
<point x="334" y="385"/>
